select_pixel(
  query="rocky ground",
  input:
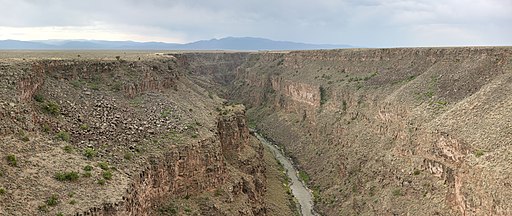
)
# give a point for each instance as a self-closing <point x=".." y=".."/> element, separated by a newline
<point x="126" y="134"/>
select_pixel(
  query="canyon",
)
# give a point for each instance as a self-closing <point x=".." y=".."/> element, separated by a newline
<point x="423" y="131"/>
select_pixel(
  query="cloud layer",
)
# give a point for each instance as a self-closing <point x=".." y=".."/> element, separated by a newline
<point x="372" y="23"/>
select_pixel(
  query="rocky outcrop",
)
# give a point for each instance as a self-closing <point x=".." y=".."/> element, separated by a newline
<point x="183" y="171"/>
<point x="243" y="153"/>
<point x="162" y="143"/>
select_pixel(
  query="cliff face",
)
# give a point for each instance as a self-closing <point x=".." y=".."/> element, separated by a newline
<point x="376" y="131"/>
<point x="140" y="136"/>
<point x="389" y="131"/>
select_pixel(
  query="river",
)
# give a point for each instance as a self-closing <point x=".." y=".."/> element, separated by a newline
<point x="299" y="190"/>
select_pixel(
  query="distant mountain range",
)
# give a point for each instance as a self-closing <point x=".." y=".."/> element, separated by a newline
<point x="229" y="43"/>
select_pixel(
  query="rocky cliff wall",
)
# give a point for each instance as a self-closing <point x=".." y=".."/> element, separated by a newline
<point x="159" y="134"/>
<point x="389" y="131"/>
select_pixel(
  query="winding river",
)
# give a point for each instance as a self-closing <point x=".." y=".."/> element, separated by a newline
<point x="299" y="190"/>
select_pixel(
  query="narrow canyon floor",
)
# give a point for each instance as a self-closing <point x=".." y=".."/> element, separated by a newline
<point x="423" y="131"/>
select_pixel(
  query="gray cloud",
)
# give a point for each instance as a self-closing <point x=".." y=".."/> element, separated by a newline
<point x="366" y="22"/>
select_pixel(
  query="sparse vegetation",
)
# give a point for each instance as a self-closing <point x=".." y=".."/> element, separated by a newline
<point x="218" y="192"/>
<point x="166" y="113"/>
<point x="117" y="87"/>
<point x="107" y="175"/>
<point x="94" y="86"/>
<point x="67" y="176"/>
<point x="72" y="202"/>
<point x="39" y="98"/>
<point x="63" y="136"/>
<point x="2" y="191"/>
<point x="51" y="108"/>
<point x="77" y="83"/>
<point x="11" y="160"/>
<point x="68" y="149"/>
<point x="46" y="128"/>
<point x="87" y="174"/>
<point x="103" y="165"/>
<point x="171" y="209"/>
<point x="87" y="168"/>
<point x="89" y="153"/>
<point x="304" y="176"/>
<point x="316" y="194"/>
<point x="24" y="136"/>
<point x="479" y="153"/>
<point x="128" y="155"/>
<point x="416" y="172"/>
<point x="101" y="181"/>
<point x="84" y="126"/>
<point x="397" y="192"/>
<point x="52" y="200"/>
<point x="323" y="95"/>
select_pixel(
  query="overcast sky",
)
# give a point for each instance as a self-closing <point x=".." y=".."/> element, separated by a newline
<point x="369" y="23"/>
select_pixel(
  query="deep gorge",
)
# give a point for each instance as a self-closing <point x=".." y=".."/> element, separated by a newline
<point x="377" y="131"/>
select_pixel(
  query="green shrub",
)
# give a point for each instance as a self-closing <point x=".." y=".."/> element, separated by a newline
<point x="101" y="181"/>
<point x="89" y="153"/>
<point x="103" y="165"/>
<point x="46" y="128"/>
<point x="84" y="126"/>
<point x="51" y="108"/>
<point x="107" y="175"/>
<point x="53" y="200"/>
<point x="72" y="202"/>
<point x="59" y="214"/>
<point x="479" y="153"/>
<point x="68" y="149"/>
<point x="87" y="174"/>
<point x="88" y="168"/>
<point x="95" y="86"/>
<point x="2" y="191"/>
<point x="304" y="176"/>
<point x="416" y="172"/>
<point x="323" y="95"/>
<point x="11" y="160"/>
<point x="39" y="98"/>
<point x="63" y="135"/>
<point x="66" y="176"/>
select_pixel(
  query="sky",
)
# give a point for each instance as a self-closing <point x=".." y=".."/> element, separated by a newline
<point x="367" y="23"/>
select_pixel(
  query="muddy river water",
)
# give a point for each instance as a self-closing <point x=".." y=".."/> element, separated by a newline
<point x="299" y="190"/>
